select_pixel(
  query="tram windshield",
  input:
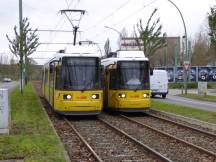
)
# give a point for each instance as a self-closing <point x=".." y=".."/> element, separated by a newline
<point x="78" y="74"/>
<point x="133" y="75"/>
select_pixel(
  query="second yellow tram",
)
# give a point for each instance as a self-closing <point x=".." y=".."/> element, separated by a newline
<point x="126" y="81"/>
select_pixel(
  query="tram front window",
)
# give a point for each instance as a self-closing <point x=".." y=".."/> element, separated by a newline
<point x="78" y="74"/>
<point x="133" y="75"/>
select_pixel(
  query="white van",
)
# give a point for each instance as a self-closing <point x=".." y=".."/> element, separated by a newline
<point x="159" y="83"/>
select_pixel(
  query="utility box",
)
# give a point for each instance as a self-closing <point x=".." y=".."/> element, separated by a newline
<point x="202" y="88"/>
<point x="4" y="111"/>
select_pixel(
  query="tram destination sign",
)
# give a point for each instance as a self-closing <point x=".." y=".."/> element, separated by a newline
<point x="130" y="43"/>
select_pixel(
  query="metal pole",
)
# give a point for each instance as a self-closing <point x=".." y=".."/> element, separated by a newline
<point x="120" y="34"/>
<point x="75" y="33"/>
<point x="75" y="27"/>
<point x="175" y="61"/>
<point x="21" y="45"/>
<point x="186" y="46"/>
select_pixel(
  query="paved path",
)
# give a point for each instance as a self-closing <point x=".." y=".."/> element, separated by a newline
<point x="9" y="85"/>
<point x="179" y="91"/>
<point x="204" y="105"/>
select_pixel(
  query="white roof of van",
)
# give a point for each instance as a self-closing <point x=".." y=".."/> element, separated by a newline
<point x="156" y="71"/>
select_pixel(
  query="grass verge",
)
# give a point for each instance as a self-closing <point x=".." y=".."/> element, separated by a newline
<point x="199" y="97"/>
<point x="31" y="136"/>
<point x="206" y="116"/>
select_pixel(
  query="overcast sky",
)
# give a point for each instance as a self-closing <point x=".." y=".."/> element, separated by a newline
<point x="118" y="14"/>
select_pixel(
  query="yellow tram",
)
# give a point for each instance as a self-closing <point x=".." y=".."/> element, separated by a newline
<point x="72" y="81"/>
<point x="126" y="81"/>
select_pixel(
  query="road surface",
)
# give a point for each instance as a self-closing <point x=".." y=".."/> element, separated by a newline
<point x="203" y="105"/>
<point x="9" y="85"/>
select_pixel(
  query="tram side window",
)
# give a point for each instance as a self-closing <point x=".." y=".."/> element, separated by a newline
<point x="59" y="84"/>
<point x="51" y="75"/>
<point x="46" y="76"/>
<point x="147" y="72"/>
<point x="113" y="80"/>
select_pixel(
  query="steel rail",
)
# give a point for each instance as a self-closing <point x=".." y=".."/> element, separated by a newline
<point x="182" y="125"/>
<point x="84" y="141"/>
<point x="147" y="148"/>
<point x="170" y="136"/>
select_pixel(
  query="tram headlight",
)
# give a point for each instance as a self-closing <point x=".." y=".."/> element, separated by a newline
<point x="95" y="96"/>
<point x="145" y="95"/>
<point x="122" y="95"/>
<point x="67" y="97"/>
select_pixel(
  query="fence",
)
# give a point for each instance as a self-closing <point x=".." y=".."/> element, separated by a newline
<point x="195" y="74"/>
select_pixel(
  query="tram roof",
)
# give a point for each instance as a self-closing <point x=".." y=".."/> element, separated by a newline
<point x="77" y="51"/>
<point x="125" y="56"/>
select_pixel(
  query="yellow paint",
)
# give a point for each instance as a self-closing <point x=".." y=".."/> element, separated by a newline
<point x="133" y="99"/>
<point x="80" y="101"/>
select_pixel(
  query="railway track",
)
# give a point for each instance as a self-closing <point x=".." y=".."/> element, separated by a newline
<point x="170" y="146"/>
<point x="111" y="144"/>
<point x="198" y="126"/>
<point x="121" y="138"/>
<point x="76" y="149"/>
<point x="199" y="137"/>
<point x="96" y="140"/>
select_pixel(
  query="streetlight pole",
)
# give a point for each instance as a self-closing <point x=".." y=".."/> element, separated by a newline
<point x="113" y="29"/>
<point x="21" y="45"/>
<point x="120" y="34"/>
<point x="186" y="45"/>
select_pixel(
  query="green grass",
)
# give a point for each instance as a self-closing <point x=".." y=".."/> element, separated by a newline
<point x="31" y="136"/>
<point x="199" y="97"/>
<point x="206" y="116"/>
<point x="211" y="85"/>
<point x="191" y="85"/>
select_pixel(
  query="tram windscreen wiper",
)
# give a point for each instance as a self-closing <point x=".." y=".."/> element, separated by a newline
<point x="137" y="87"/>
<point x="86" y="85"/>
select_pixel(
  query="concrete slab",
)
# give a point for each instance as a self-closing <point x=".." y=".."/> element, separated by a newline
<point x="4" y="131"/>
<point x="179" y="91"/>
<point x="12" y="160"/>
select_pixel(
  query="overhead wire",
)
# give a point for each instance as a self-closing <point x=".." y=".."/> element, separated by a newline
<point x="109" y="15"/>
<point x="134" y="13"/>
<point x="75" y="4"/>
<point x="129" y="16"/>
<point x="67" y="4"/>
<point x="59" y="24"/>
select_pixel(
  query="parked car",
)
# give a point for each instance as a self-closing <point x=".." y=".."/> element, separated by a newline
<point x="7" y="80"/>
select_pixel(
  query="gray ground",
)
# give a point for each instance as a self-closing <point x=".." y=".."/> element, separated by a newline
<point x="204" y="105"/>
<point x="9" y="85"/>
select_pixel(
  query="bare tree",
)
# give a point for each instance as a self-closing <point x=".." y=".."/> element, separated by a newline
<point x="212" y="26"/>
<point x="212" y="32"/>
<point x="150" y="36"/>
<point x="24" y="43"/>
<point x="200" y="55"/>
<point x="1" y="59"/>
<point x="107" y="47"/>
<point x="124" y="33"/>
